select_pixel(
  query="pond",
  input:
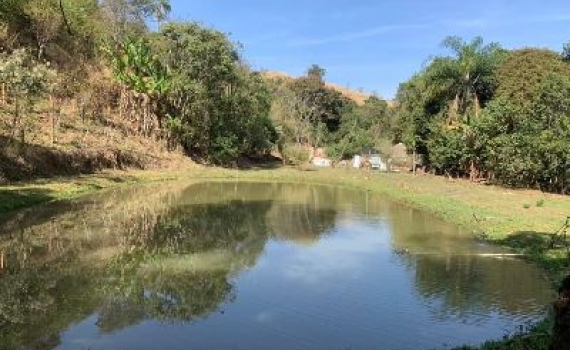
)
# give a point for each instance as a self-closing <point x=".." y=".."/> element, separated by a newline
<point x="237" y="265"/>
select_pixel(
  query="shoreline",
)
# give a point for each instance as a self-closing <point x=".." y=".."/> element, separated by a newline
<point x="520" y="220"/>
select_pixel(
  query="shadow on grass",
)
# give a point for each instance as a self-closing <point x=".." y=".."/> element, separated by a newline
<point x="16" y="199"/>
<point x="527" y="240"/>
<point x="537" y="246"/>
<point x="261" y="166"/>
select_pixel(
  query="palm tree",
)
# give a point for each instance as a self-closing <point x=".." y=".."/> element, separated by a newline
<point x="467" y="77"/>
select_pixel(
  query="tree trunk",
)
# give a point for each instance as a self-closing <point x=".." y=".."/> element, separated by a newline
<point x="414" y="161"/>
<point x="15" y="119"/>
<point x="472" y="171"/>
<point x="477" y="105"/>
<point x="55" y="116"/>
<point x="453" y="110"/>
<point x="52" y="115"/>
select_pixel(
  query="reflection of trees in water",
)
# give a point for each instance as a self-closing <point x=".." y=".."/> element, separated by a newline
<point x="131" y="255"/>
<point x="179" y="297"/>
<point x="421" y="232"/>
<point x="37" y="304"/>
<point x="297" y="212"/>
<point x="308" y="212"/>
<point x="474" y="285"/>
<point x="143" y="287"/>
<point x="448" y="271"/>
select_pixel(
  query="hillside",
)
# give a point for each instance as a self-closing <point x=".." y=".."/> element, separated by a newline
<point x="356" y="96"/>
<point x="66" y="144"/>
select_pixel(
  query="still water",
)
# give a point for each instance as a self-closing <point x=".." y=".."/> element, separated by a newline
<point x="223" y="265"/>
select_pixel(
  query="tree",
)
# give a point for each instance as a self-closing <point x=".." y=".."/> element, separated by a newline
<point x="129" y="17"/>
<point x="523" y="72"/>
<point x="290" y="114"/>
<point x="316" y="74"/>
<point x="566" y="52"/>
<point x="468" y="76"/>
<point x="26" y="81"/>
<point x="46" y="22"/>
<point x="323" y="105"/>
<point x="362" y="127"/>
<point x="522" y="147"/>
<point x="418" y="105"/>
<point x="145" y="80"/>
<point x="218" y="109"/>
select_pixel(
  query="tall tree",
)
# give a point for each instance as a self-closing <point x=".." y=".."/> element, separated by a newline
<point x="218" y="108"/>
<point x="128" y="17"/>
<point x="145" y="81"/>
<point x="468" y="75"/>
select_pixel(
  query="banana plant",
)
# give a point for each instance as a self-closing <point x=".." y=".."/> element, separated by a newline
<point x="142" y="74"/>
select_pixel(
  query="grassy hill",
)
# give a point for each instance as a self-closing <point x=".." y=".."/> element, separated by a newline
<point x="356" y="96"/>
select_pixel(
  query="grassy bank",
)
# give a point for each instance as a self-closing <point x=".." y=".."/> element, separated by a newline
<point x="522" y="220"/>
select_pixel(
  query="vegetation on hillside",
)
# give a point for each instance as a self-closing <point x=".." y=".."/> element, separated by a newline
<point x="308" y="113"/>
<point x="183" y="85"/>
<point x="87" y="85"/>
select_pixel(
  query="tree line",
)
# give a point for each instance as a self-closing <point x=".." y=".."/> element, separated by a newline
<point x="184" y="84"/>
<point x="482" y="112"/>
<point x="490" y="114"/>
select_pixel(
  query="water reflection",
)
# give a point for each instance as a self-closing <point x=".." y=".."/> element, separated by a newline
<point x="208" y="256"/>
<point x="461" y="274"/>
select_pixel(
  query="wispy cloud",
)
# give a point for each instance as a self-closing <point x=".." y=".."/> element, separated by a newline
<point x="553" y="18"/>
<point x="466" y="23"/>
<point x="475" y="23"/>
<point x="350" y="36"/>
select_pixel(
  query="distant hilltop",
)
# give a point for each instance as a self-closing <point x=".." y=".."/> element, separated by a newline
<point x="356" y="96"/>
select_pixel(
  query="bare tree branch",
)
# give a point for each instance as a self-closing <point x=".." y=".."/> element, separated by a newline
<point x="65" y="17"/>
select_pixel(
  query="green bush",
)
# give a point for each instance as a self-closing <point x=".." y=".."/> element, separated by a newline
<point x="296" y="155"/>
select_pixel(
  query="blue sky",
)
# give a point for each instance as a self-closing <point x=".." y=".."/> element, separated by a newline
<point x="372" y="44"/>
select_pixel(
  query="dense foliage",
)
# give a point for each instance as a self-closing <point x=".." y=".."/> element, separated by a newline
<point x="310" y="114"/>
<point x="182" y="84"/>
<point x="216" y="107"/>
<point x="492" y="115"/>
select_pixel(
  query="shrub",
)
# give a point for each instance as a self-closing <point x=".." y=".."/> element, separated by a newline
<point x="296" y="155"/>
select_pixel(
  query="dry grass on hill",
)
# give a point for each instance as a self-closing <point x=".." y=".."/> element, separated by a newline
<point x="356" y="96"/>
<point x="76" y="145"/>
